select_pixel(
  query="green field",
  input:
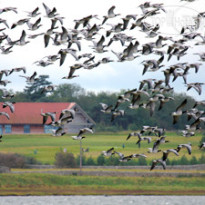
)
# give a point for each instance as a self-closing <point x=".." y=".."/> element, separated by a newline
<point x="47" y="146"/>
<point x="49" y="184"/>
<point x="53" y="184"/>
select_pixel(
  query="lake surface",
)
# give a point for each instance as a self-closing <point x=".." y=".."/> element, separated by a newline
<point x="102" y="200"/>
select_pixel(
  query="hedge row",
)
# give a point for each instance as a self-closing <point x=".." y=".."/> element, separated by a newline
<point x="16" y="160"/>
<point x="68" y="160"/>
<point x="64" y="159"/>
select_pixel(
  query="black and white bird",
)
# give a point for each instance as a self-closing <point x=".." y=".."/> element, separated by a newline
<point x="10" y="105"/>
<point x="109" y="152"/>
<point x="45" y="115"/>
<point x="18" y="69"/>
<point x="33" y="13"/>
<point x="186" y="146"/>
<point x="196" y="86"/>
<point x="110" y="14"/>
<point x="7" y="95"/>
<point x="20" y="22"/>
<point x="34" y="26"/>
<point x="67" y="113"/>
<point x="156" y="162"/>
<point x="140" y="138"/>
<point x="106" y="108"/>
<point x="80" y="137"/>
<point x="48" y="88"/>
<point x="123" y="158"/>
<point x="167" y="152"/>
<point x="156" y="145"/>
<point x="82" y="131"/>
<point x="50" y="13"/>
<point x="116" y="113"/>
<point x="58" y="132"/>
<point x="178" y="111"/>
<point x="135" y="134"/>
<point x="202" y="145"/>
<point x="30" y="79"/>
<point x="85" y="149"/>
<point x="5" y="114"/>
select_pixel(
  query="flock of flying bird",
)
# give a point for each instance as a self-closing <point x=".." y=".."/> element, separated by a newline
<point x="102" y="35"/>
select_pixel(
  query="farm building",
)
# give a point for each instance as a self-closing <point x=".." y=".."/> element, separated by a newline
<point x="27" y="118"/>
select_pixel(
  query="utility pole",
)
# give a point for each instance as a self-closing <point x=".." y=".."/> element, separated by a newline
<point x="80" y="157"/>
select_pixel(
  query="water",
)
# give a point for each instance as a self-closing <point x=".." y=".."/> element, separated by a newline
<point x="102" y="200"/>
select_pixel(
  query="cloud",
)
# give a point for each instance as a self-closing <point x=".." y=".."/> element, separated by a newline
<point x="113" y="76"/>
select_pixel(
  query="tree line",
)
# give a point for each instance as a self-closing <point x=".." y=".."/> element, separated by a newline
<point x="133" y="119"/>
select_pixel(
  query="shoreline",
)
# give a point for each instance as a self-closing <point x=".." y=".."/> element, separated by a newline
<point x="38" y="192"/>
<point x="40" y="184"/>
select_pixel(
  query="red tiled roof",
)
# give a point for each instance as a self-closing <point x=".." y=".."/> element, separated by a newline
<point x="30" y="113"/>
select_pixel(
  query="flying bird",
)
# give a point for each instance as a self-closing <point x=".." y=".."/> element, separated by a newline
<point x="45" y="115"/>
<point x="30" y="79"/>
<point x="5" y="114"/>
<point x="10" y="105"/>
<point x="34" y="13"/>
<point x="156" y="162"/>
<point x="82" y="131"/>
<point x="178" y="111"/>
<point x="50" y="13"/>
<point x="186" y="146"/>
<point x="108" y="152"/>
<point x="106" y="108"/>
<point x="110" y="14"/>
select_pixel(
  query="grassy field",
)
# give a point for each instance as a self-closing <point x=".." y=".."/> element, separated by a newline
<point x="53" y="184"/>
<point x="47" y="145"/>
<point x="49" y="184"/>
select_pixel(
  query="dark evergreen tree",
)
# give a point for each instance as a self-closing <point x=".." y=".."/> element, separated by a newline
<point x="193" y="160"/>
<point x="101" y="160"/>
<point x="33" y="91"/>
<point x="90" y="162"/>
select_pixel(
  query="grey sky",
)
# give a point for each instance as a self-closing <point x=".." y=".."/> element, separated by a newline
<point x="113" y="76"/>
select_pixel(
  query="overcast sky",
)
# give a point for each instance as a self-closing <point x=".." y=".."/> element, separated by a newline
<point x="107" y="77"/>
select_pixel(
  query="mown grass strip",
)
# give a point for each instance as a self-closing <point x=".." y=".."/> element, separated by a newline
<point x="41" y="184"/>
<point x="111" y="169"/>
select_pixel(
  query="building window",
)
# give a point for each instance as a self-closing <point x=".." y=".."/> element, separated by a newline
<point x="26" y="128"/>
<point x="7" y="129"/>
<point x="1" y="130"/>
<point x="48" y="129"/>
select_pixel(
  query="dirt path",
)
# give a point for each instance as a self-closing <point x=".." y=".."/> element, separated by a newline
<point x="133" y="173"/>
<point x="25" y="191"/>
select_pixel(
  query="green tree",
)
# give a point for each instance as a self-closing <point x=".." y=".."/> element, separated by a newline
<point x="142" y="161"/>
<point x="101" y="160"/>
<point x="64" y="159"/>
<point x="67" y="93"/>
<point x="33" y="90"/>
<point x="184" y="160"/>
<point x="21" y="97"/>
<point x="90" y="161"/>
<point x="193" y="160"/>
<point x="202" y="159"/>
<point x="83" y="160"/>
<point x="133" y="119"/>
<point x="202" y="139"/>
<point x="168" y="162"/>
<point x="112" y="161"/>
<point x="175" y="162"/>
